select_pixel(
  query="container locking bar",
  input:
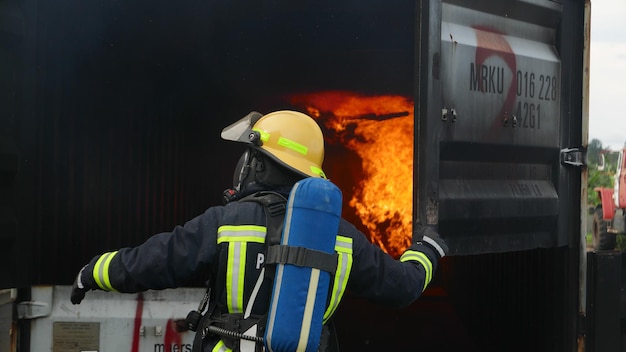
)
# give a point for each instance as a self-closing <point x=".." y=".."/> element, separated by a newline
<point x="33" y="310"/>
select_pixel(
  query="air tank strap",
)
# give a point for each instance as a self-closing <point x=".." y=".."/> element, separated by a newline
<point x="303" y="257"/>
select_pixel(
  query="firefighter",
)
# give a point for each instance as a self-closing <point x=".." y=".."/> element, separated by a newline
<point x="282" y="148"/>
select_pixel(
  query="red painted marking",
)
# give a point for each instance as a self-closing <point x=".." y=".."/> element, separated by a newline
<point x="172" y="337"/>
<point x="137" y="327"/>
<point x="490" y="42"/>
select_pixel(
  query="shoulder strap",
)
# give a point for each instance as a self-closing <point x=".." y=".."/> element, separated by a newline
<point x="275" y="205"/>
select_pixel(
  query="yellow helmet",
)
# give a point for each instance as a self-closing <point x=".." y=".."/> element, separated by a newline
<point x="291" y="138"/>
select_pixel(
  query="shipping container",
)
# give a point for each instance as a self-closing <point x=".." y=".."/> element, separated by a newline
<point x="147" y="321"/>
<point x="466" y="115"/>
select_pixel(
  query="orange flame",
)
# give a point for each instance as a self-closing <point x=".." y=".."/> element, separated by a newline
<point x="379" y="129"/>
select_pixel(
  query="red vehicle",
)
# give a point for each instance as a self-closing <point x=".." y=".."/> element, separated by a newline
<point x="609" y="218"/>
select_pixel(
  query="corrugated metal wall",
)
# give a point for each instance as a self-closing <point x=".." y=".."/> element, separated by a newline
<point x="119" y="107"/>
<point x="11" y="61"/>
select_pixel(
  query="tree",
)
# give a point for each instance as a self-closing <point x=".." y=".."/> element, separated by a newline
<point x="596" y="177"/>
<point x="593" y="152"/>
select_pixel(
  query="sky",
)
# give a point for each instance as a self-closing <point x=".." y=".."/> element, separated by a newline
<point x="607" y="96"/>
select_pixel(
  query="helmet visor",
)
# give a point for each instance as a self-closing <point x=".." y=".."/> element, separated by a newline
<point x="240" y="130"/>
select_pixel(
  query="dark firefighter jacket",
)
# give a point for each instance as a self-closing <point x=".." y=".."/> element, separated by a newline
<point x="233" y="235"/>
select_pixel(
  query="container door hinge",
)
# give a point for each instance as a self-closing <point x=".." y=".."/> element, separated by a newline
<point x="581" y="324"/>
<point x="33" y="310"/>
<point x="574" y="157"/>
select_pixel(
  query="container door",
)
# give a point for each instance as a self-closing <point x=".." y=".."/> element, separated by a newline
<point x="106" y="321"/>
<point x="495" y="100"/>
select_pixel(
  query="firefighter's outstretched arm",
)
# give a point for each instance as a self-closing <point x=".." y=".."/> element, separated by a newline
<point x="164" y="260"/>
<point x="397" y="283"/>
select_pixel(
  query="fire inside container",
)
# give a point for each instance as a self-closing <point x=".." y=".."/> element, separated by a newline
<point x="370" y="157"/>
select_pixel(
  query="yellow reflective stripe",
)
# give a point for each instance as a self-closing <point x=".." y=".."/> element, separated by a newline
<point x="319" y="172"/>
<point x="243" y="233"/>
<point x="101" y="271"/>
<point x="284" y="142"/>
<point x="422" y="259"/>
<point x="221" y="347"/>
<point x="343" y="247"/>
<point x="265" y="136"/>
<point x="343" y="244"/>
<point x="235" y="272"/>
<point x="293" y="145"/>
<point x="237" y="238"/>
<point x="240" y="228"/>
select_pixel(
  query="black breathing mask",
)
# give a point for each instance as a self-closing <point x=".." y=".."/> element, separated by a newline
<point x="256" y="171"/>
<point x="244" y="175"/>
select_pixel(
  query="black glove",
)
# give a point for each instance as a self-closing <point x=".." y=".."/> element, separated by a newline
<point x="427" y="236"/>
<point x="78" y="289"/>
